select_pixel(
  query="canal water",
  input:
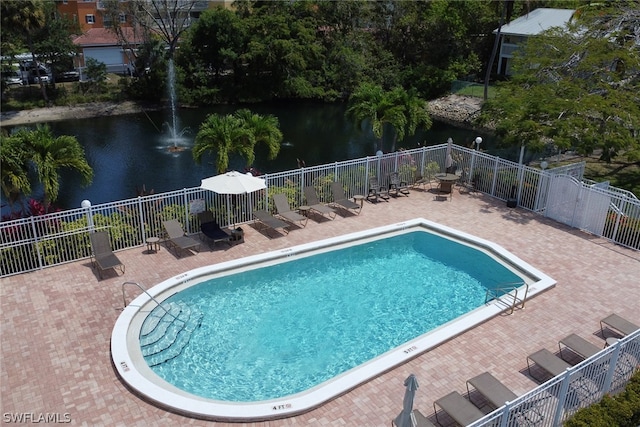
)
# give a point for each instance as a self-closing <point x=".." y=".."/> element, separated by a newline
<point x="131" y="152"/>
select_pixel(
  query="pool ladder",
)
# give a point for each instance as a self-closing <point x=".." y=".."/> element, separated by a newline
<point x="505" y="289"/>
<point x="124" y="300"/>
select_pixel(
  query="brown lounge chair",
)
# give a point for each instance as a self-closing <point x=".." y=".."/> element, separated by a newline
<point x="420" y="420"/>
<point x="102" y="256"/>
<point x="315" y="205"/>
<point x="340" y="199"/>
<point x="618" y="324"/>
<point x="284" y="210"/>
<point x="548" y="362"/>
<point x="397" y="186"/>
<point x="578" y="345"/>
<point x="270" y="222"/>
<point x="376" y="191"/>
<point x="458" y="408"/>
<point x="177" y="238"/>
<point x="493" y="391"/>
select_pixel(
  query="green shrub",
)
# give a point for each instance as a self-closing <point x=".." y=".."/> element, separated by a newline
<point x="622" y="410"/>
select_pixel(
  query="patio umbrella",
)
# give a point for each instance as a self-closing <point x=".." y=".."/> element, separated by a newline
<point x="233" y="183"/>
<point x="448" y="160"/>
<point x="406" y="418"/>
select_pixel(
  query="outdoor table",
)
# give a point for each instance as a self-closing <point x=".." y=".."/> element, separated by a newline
<point x="446" y="181"/>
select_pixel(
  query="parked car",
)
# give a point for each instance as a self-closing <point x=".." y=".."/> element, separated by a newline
<point x="12" y="78"/>
<point x="35" y="77"/>
<point x="68" y="76"/>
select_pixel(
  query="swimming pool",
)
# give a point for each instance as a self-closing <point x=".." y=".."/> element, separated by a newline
<point x="387" y="340"/>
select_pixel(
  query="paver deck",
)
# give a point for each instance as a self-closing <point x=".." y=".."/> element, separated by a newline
<point x="56" y="323"/>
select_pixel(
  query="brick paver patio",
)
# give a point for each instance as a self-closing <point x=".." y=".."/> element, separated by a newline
<point x="56" y="323"/>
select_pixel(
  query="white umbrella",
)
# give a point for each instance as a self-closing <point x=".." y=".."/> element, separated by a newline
<point x="448" y="160"/>
<point x="406" y="417"/>
<point x="233" y="183"/>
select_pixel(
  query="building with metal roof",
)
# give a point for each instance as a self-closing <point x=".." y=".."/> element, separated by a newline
<point x="519" y="30"/>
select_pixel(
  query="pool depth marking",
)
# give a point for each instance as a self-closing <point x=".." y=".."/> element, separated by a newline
<point x="125" y="346"/>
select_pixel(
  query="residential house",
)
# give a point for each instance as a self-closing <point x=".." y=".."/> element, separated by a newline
<point x="519" y="30"/>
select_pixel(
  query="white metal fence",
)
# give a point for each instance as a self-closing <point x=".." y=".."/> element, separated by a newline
<point x="42" y="241"/>
<point x="578" y="387"/>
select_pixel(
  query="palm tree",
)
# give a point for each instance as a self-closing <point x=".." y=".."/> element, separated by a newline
<point x="49" y="154"/>
<point x="14" y="158"/>
<point x="236" y="133"/>
<point x="265" y="129"/>
<point x="401" y="110"/>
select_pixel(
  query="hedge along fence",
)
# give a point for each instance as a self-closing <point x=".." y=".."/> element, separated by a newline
<point x="38" y="242"/>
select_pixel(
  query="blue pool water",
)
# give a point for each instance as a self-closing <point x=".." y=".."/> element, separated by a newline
<point x="279" y="330"/>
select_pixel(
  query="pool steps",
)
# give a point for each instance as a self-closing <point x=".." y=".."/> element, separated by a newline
<point x="164" y="334"/>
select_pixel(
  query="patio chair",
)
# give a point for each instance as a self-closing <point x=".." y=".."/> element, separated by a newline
<point x="102" y="256"/>
<point x="340" y="199"/>
<point x="266" y="221"/>
<point x="284" y="210"/>
<point x="397" y="186"/>
<point x="458" y="408"/>
<point x="376" y="191"/>
<point x="548" y="362"/>
<point x="315" y="205"/>
<point x="618" y="324"/>
<point x="211" y="230"/>
<point x="577" y="345"/>
<point x="493" y="391"/>
<point x="177" y="238"/>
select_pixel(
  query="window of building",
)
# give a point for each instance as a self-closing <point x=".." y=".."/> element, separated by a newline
<point x="91" y="19"/>
<point x="123" y="18"/>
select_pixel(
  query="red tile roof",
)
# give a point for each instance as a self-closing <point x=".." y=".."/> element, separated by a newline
<point x="106" y="37"/>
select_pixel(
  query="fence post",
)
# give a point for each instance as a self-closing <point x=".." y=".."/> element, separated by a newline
<point x="612" y="367"/>
<point x="143" y="232"/>
<point x="186" y="211"/>
<point x="36" y="240"/>
<point x="506" y="412"/>
<point x="562" y="396"/>
<point x="495" y="176"/>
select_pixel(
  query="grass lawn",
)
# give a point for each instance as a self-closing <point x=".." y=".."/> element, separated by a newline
<point x="620" y="173"/>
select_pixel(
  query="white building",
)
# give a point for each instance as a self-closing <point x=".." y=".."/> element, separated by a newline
<point x="519" y="30"/>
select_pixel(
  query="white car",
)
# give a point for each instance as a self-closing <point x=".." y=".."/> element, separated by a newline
<point x="12" y="78"/>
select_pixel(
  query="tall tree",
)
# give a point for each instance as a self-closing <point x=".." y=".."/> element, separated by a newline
<point x="49" y="154"/>
<point x="576" y="88"/>
<point x="236" y="133"/>
<point x="25" y="19"/>
<point x="400" y="111"/>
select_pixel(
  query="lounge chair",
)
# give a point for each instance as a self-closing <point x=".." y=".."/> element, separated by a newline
<point x="417" y="419"/>
<point x="102" y="256"/>
<point x="270" y="222"/>
<point x="177" y="238"/>
<point x="376" y="191"/>
<point x="493" y="391"/>
<point x="458" y="408"/>
<point x="548" y="362"/>
<point x="284" y="210"/>
<point x="212" y="230"/>
<point x="315" y="205"/>
<point x="578" y="345"/>
<point x="340" y="199"/>
<point x="397" y="186"/>
<point x="618" y="324"/>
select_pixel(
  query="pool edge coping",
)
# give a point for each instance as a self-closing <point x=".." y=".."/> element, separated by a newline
<point x="155" y="389"/>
